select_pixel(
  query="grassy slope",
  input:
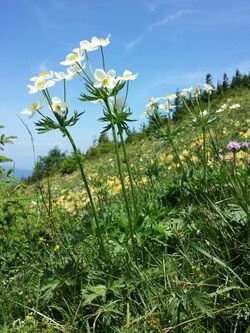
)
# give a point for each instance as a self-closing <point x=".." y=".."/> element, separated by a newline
<point x="189" y="272"/>
<point x="233" y="125"/>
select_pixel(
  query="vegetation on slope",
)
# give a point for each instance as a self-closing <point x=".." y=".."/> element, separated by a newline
<point x="167" y="250"/>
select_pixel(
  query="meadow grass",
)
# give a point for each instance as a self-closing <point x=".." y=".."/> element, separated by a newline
<point x="157" y="243"/>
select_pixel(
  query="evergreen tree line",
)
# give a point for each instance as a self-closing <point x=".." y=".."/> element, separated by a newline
<point x="221" y="89"/>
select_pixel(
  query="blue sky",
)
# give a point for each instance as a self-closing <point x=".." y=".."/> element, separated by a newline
<point x="171" y="44"/>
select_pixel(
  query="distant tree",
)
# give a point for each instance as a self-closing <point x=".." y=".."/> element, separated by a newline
<point x="3" y="141"/>
<point x="103" y="138"/>
<point x="237" y="79"/>
<point x="219" y="88"/>
<point x="49" y="164"/>
<point x="209" y="79"/>
<point x="246" y="80"/>
<point x="132" y="135"/>
<point x="155" y="121"/>
<point x="179" y="111"/>
<point x="225" y="83"/>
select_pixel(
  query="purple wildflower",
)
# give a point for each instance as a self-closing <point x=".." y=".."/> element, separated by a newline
<point x="244" y="145"/>
<point x="234" y="146"/>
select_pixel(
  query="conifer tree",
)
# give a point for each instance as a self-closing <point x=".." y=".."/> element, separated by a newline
<point x="225" y="84"/>
<point x="219" y="88"/>
<point x="209" y="79"/>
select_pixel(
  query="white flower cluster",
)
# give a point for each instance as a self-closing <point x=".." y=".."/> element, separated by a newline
<point x="154" y="104"/>
<point x="226" y="106"/>
<point x="74" y="61"/>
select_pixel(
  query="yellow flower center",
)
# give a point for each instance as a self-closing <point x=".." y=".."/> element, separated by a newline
<point x="41" y="84"/>
<point x="105" y="80"/>
<point x="42" y="74"/>
<point x="73" y="56"/>
<point x="34" y="106"/>
<point x="58" y="106"/>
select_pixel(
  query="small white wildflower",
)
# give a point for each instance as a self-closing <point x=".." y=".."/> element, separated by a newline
<point x="234" y="106"/>
<point x="87" y="46"/>
<point x="31" y="110"/>
<point x="204" y="113"/>
<point x="196" y="91"/>
<point x="43" y="76"/>
<point x="105" y="79"/>
<point x="72" y="58"/>
<point x="116" y="104"/>
<point x="208" y="88"/>
<point x="186" y="91"/>
<point x="58" y="106"/>
<point x="127" y="75"/>
<point x="64" y="75"/>
<point x="171" y="97"/>
<point x="153" y="101"/>
<point x="166" y="106"/>
<point x="40" y="85"/>
<point x="96" y="42"/>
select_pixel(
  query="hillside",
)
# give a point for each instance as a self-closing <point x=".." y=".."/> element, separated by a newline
<point x="167" y="250"/>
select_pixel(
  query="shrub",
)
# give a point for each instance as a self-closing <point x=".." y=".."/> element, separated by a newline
<point x="68" y="166"/>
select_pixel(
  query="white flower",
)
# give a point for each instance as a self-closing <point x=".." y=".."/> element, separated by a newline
<point x="106" y="80"/>
<point x="96" y="42"/>
<point x="40" y="85"/>
<point x="127" y="75"/>
<point x="166" y="106"/>
<point x="208" y="88"/>
<point x="196" y="91"/>
<point x="171" y="97"/>
<point x="234" y="106"/>
<point x="222" y="108"/>
<point x="153" y="101"/>
<point x="116" y="104"/>
<point x="96" y="101"/>
<point x="73" y="57"/>
<point x="87" y="46"/>
<point x="186" y="91"/>
<point x="31" y="110"/>
<point x="43" y="76"/>
<point x="64" y="76"/>
<point x="58" y="106"/>
<point x="204" y="113"/>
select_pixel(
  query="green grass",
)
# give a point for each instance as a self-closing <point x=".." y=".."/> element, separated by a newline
<point x="186" y="269"/>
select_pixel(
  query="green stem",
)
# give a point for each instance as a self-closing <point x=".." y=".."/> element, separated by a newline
<point x="204" y="154"/>
<point x="187" y="107"/>
<point x="64" y="91"/>
<point x="84" y="178"/>
<point x="87" y="78"/>
<point x="89" y="64"/>
<point x="103" y="60"/>
<point x="121" y="174"/>
<point x="128" y="168"/>
<point x="179" y="160"/>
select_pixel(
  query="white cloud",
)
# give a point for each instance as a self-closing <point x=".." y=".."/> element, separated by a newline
<point x="171" y="18"/>
<point x="131" y="44"/>
<point x="42" y="66"/>
<point x="188" y="78"/>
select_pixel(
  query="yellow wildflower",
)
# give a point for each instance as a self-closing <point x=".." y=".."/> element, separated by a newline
<point x="57" y="247"/>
